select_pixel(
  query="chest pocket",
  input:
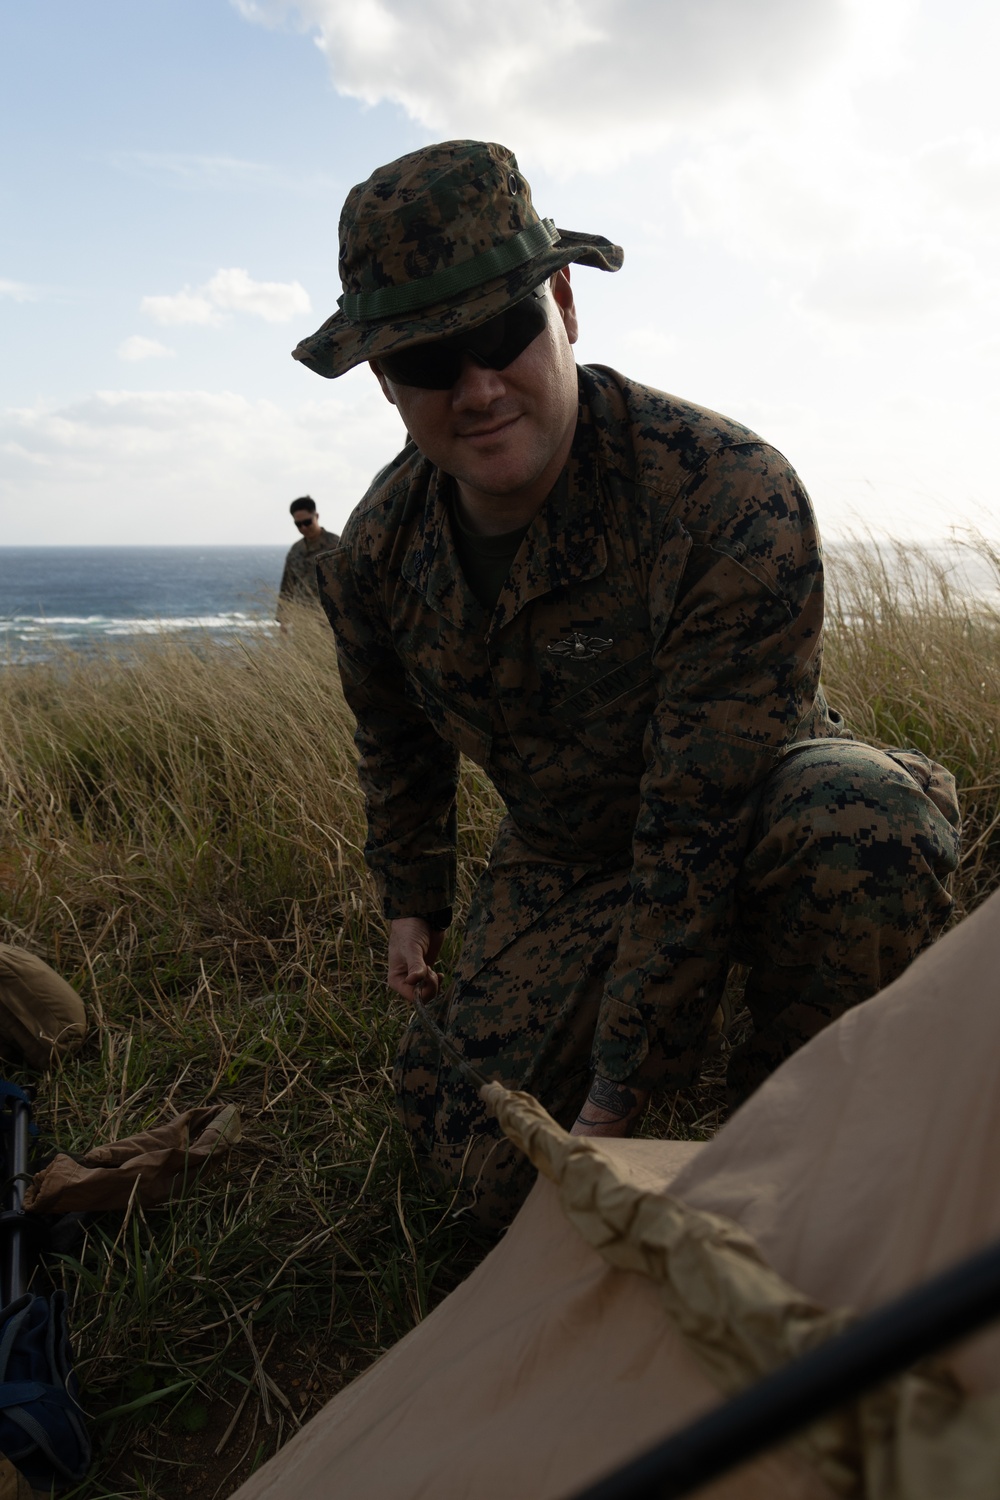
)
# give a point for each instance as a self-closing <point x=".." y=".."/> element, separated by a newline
<point x="611" y="689"/>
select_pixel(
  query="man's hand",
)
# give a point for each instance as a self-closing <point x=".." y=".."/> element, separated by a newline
<point x="611" y="1109"/>
<point x="413" y="947"/>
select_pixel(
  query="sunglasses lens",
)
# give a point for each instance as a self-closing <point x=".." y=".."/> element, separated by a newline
<point x="496" y="344"/>
<point x="499" y="342"/>
<point x="434" y="367"/>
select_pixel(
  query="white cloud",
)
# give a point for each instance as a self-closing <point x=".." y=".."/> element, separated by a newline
<point x="183" y="307"/>
<point x="892" y="284"/>
<point x="769" y="196"/>
<point x="208" y="466"/>
<point x="848" y="231"/>
<point x="579" y="83"/>
<point x="764" y="123"/>
<point x="648" y="353"/>
<point x="137" y="347"/>
<point x="17" y="291"/>
<point x="792" y="136"/>
<point x="962" y="174"/>
<point x="274" y="301"/>
<point x="231" y="290"/>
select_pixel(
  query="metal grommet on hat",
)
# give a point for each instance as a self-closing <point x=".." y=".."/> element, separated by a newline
<point x="434" y="244"/>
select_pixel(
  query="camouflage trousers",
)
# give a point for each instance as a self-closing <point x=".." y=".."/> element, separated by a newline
<point x="843" y="884"/>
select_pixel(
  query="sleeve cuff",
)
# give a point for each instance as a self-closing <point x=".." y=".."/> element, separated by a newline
<point x="438" y="921"/>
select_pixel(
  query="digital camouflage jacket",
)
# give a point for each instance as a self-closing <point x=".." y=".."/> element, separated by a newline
<point x="655" y="649"/>
<point x="298" y="578"/>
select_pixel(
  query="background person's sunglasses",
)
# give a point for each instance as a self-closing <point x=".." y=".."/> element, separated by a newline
<point x="307" y="522"/>
<point x="436" y="366"/>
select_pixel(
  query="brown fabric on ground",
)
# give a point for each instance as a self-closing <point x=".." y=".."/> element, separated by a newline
<point x="864" y="1165"/>
<point x="153" y="1166"/>
<point x="41" y="1016"/>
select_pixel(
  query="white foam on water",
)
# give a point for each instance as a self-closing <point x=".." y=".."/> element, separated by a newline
<point x="47" y="625"/>
<point x="27" y="638"/>
<point x="234" y="623"/>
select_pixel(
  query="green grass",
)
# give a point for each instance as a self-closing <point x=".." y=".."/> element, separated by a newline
<point x="180" y="838"/>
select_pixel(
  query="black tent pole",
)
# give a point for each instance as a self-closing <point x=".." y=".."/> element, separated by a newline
<point x="16" y="1130"/>
<point x="19" y="1177"/>
<point x="921" y="1322"/>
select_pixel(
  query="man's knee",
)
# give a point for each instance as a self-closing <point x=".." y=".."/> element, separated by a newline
<point x="844" y="884"/>
<point x="841" y="821"/>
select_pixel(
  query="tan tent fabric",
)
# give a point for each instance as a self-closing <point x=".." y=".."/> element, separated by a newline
<point x="13" y="1486"/>
<point x="736" y="1313"/>
<point x="916" y="1438"/>
<point x="540" y="1371"/>
<point x="152" y="1166"/>
<point x="41" y="1016"/>
<point x="870" y="1160"/>
<point x="865" y="1164"/>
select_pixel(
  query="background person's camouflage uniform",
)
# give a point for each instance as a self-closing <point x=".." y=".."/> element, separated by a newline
<point x="652" y="658"/>
<point x="298" y="578"/>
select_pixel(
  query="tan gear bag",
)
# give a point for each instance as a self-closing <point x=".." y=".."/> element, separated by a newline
<point x="41" y="1016"/>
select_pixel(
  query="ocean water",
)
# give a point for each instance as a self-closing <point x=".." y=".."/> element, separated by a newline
<point x="54" y="598"/>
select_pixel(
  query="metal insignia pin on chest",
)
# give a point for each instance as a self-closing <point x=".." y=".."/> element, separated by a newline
<point x="580" y="647"/>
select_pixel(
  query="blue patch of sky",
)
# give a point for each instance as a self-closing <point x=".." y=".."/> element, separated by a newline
<point x="146" y="146"/>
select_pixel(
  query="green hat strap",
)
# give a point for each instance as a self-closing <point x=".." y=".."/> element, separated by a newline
<point x="409" y="296"/>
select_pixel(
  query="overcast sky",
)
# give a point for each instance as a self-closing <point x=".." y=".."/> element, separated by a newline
<point x="808" y="193"/>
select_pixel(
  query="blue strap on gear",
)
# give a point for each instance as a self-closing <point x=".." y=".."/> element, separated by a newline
<point x="42" y="1431"/>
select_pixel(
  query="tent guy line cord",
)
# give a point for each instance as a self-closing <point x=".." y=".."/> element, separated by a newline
<point x="446" y="1045"/>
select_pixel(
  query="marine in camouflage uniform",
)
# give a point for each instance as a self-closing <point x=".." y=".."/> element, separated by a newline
<point x="299" y="583"/>
<point x="644" y="694"/>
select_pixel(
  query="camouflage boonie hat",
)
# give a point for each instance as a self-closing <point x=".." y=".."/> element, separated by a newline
<point x="434" y="244"/>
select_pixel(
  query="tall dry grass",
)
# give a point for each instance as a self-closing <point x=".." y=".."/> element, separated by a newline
<point x="181" y="838"/>
<point x="911" y="659"/>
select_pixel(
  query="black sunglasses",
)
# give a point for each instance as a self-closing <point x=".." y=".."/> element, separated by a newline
<point x="436" y="366"/>
<point x="307" y="522"/>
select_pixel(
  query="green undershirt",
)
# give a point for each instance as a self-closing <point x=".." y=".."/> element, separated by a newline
<point x="485" y="560"/>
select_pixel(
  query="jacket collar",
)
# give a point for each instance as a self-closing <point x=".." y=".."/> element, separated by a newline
<point x="565" y="543"/>
<point x="431" y="563"/>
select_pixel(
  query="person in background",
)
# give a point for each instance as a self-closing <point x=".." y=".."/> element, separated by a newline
<point x="298" y="580"/>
